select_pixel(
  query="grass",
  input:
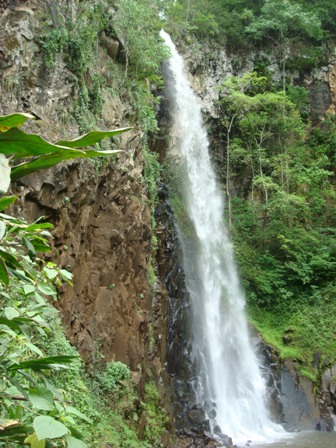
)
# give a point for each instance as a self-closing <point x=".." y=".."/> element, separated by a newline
<point x="303" y="334"/>
<point x="308" y="374"/>
<point x="272" y="332"/>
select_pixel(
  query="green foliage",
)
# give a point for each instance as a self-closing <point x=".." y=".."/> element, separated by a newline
<point x="284" y="232"/>
<point x="32" y="409"/>
<point x="280" y="19"/>
<point x="151" y="178"/>
<point x="76" y="41"/>
<point x="114" y="372"/>
<point x="40" y="153"/>
<point x="145" y="104"/>
<point x="54" y="43"/>
<point x="326" y="11"/>
<point x="30" y="403"/>
<point x="151" y="173"/>
<point x="152" y="280"/>
<point x="116" y="431"/>
<point x="137" y="24"/>
<point x="73" y="383"/>
<point x="155" y="416"/>
<point x="89" y="102"/>
<point x="300" y="333"/>
<point x="299" y="97"/>
<point x="223" y="21"/>
<point x="292" y="30"/>
<point x="77" y="36"/>
<point x="305" y="57"/>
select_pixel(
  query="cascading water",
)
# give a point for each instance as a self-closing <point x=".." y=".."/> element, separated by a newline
<point x="227" y="371"/>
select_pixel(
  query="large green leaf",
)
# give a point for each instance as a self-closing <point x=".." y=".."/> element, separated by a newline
<point x="41" y="398"/>
<point x="34" y="348"/>
<point x="74" y="443"/>
<point x="50" y="160"/>
<point x="11" y="312"/>
<point x="48" y="290"/>
<point x="10" y="260"/>
<point x="12" y="219"/>
<point x="48" y="428"/>
<point x="40" y="245"/>
<point x="50" y="362"/>
<point x="20" y="144"/>
<point x="13" y="120"/>
<point x="39" y="226"/>
<point x="6" y="201"/>
<point x="3" y="273"/>
<point x="10" y="323"/>
<point x="90" y="138"/>
<point x="28" y="289"/>
<point x="74" y="411"/>
<point x="22" y="275"/>
<point x="16" y="323"/>
<point x="34" y="442"/>
<point x="30" y="248"/>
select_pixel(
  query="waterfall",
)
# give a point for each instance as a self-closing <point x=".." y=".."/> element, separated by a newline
<point x="227" y="371"/>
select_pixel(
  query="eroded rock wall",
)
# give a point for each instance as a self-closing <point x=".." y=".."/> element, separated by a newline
<point x="209" y="66"/>
<point x="100" y="209"/>
<point x="102" y="235"/>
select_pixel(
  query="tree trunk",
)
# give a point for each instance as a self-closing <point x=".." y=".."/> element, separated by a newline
<point x="228" y="190"/>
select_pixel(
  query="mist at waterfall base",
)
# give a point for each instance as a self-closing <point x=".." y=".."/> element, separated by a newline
<point x="227" y="371"/>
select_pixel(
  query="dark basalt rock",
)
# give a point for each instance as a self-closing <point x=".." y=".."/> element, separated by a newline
<point x="191" y="418"/>
<point x="292" y="399"/>
<point x="193" y="438"/>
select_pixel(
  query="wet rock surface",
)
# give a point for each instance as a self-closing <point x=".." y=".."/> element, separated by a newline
<point x="190" y="417"/>
<point x="292" y="396"/>
<point x="171" y="274"/>
<point x="191" y="438"/>
<point x="188" y="414"/>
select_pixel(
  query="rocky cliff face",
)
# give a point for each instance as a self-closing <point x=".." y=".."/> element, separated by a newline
<point x="100" y="210"/>
<point x="102" y="235"/>
<point x="208" y="67"/>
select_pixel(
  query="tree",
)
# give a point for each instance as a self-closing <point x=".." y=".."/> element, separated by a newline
<point x="233" y="106"/>
<point x="138" y="26"/>
<point x="260" y="127"/>
<point x="280" y="21"/>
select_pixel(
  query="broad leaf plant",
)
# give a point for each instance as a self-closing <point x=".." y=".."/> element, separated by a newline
<point x="32" y="410"/>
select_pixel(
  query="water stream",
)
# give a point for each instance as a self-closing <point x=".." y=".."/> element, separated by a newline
<point x="314" y="439"/>
<point x="227" y="371"/>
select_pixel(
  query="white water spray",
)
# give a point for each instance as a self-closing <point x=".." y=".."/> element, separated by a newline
<point x="227" y="368"/>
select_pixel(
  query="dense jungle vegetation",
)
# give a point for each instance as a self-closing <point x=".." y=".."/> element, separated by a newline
<point x="277" y="166"/>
